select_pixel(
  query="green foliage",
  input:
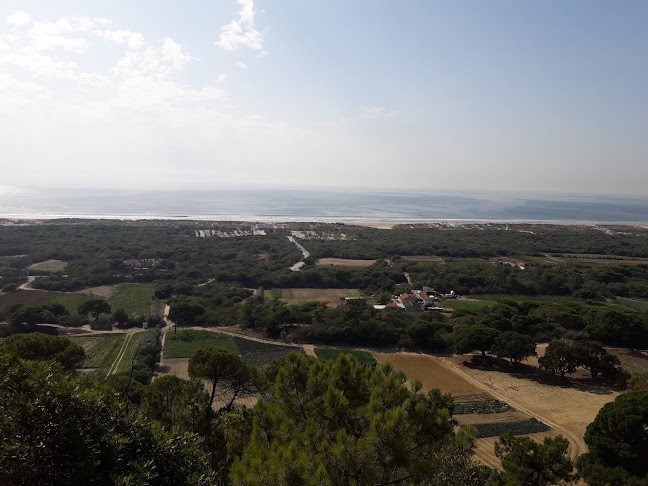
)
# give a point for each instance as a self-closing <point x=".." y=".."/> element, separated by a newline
<point x="618" y="443"/>
<point x="133" y="298"/>
<point x="561" y="357"/>
<point x="519" y="427"/>
<point x="484" y="407"/>
<point x="65" y="431"/>
<point x="41" y="347"/>
<point x="341" y="422"/>
<point x="363" y="357"/>
<point x="481" y="338"/>
<point x="514" y="346"/>
<point x="186" y="342"/>
<point x="528" y="463"/>
<point x="94" y="307"/>
<point x="230" y="377"/>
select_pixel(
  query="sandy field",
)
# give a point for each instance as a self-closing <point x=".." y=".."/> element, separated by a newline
<point x="383" y="225"/>
<point x="332" y="296"/>
<point x="344" y="262"/>
<point x="106" y="291"/>
<point x="567" y="408"/>
<point x="431" y="371"/>
<point x="48" y="266"/>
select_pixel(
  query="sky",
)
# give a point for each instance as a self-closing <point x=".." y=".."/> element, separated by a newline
<point x="416" y="95"/>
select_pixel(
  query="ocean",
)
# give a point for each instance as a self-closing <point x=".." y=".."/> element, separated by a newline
<point x="316" y="205"/>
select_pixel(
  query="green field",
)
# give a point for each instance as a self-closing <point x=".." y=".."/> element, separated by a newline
<point x="5" y="259"/>
<point x="188" y="341"/>
<point x="131" y="349"/>
<point x="331" y="354"/>
<point x="272" y="294"/>
<point x="640" y="305"/>
<point x="71" y="301"/>
<point x="102" y="353"/>
<point x="133" y="298"/>
<point x="468" y="304"/>
<point x="260" y="354"/>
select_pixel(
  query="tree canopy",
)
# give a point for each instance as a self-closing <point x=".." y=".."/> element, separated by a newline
<point x="341" y="422"/>
<point x="42" y="347"/>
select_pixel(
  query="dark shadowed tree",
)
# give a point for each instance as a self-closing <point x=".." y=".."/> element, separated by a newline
<point x="94" y="307"/>
<point x="42" y="347"/>
<point x="478" y="337"/>
<point x="514" y="346"/>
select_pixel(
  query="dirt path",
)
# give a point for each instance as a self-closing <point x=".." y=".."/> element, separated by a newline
<point x="305" y="254"/>
<point x="409" y="279"/>
<point x="309" y="349"/>
<point x="120" y="355"/>
<point x="205" y="283"/>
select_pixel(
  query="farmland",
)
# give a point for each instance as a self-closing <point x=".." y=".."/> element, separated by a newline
<point x="26" y="297"/>
<point x="186" y="342"/>
<point x="331" y="354"/>
<point x="332" y="296"/>
<point x="600" y="259"/>
<point x="101" y="352"/>
<point x="133" y="298"/>
<point x="71" y="301"/>
<point x="129" y="352"/>
<point x="260" y="354"/>
<point x="431" y="371"/>
<point x="344" y="262"/>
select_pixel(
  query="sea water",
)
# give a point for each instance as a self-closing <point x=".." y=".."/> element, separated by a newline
<point x="312" y="205"/>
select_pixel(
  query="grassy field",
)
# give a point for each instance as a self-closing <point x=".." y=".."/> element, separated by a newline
<point x="272" y="294"/>
<point x="640" y="305"/>
<point x="5" y="259"/>
<point x="71" y="301"/>
<point x="188" y="341"/>
<point x="468" y="304"/>
<point x="26" y="297"/>
<point x="330" y="354"/>
<point x="102" y="352"/>
<point x="423" y="259"/>
<point x="131" y="349"/>
<point x="133" y="298"/>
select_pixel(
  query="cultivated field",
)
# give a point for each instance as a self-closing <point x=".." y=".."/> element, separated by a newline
<point x="71" y="301"/>
<point x="101" y="352"/>
<point x="431" y="371"/>
<point x="423" y="259"/>
<point x="567" y="409"/>
<point x="128" y="353"/>
<point x="133" y="298"/>
<point x="26" y="297"/>
<point x="187" y="341"/>
<point x="602" y="259"/>
<point x="344" y="262"/>
<point x="332" y="296"/>
<point x="48" y="266"/>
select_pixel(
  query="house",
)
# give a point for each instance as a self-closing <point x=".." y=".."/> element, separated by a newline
<point x="133" y="263"/>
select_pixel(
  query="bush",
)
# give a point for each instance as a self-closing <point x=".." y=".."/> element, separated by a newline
<point x="522" y="427"/>
<point x="10" y="287"/>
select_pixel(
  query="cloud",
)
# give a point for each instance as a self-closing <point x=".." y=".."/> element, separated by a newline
<point x="134" y="40"/>
<point x="241" y="32"/>
<point x="19" y="18"/>
<point x="241" y="64"/>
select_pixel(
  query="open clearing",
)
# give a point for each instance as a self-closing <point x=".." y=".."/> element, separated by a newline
<point x="567" y="409"/>
<point x="133" y="298"/>
<point x="71" y="301"/>
<point x="48" y="266"/>
<point x="431" y="371"/>
<point x="105" y="291"/>
<point x="344" y="262"/>
<point x="332" y="296"/>
<point x="631" y="360"/>
<point x="423" y="259"/>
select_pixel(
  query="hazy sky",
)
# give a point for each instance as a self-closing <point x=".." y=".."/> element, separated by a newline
<point x="547" y="96"/>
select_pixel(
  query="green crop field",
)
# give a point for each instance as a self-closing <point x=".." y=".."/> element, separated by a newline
<point x="131" y="349"/>
<point x="468" y="304"/>
<point x="188" y="341"/>
<point x="330" y="354"/>
<point x="133" y="298"/>
<point x="260" y="354"/>
<point x="102" y="353"/>
<point x="5" y="259"/>
<point x="640" y="305"/>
